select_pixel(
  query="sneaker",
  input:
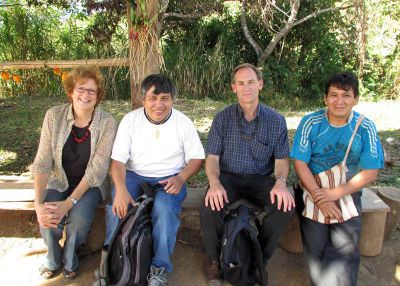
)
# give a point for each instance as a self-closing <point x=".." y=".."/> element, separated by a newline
<point x="157" y="276"/>
<point x="213" y="273"/>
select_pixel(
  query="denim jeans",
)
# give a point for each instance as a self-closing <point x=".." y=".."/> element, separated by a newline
<point x="164" y="217"/>
<point x="77" y="225"/>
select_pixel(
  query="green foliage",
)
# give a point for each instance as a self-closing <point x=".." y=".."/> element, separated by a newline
<point x="382" y="68"/>
<point x="199" y="66"/>
<point x="200" y="54"/>
<point x="39" y="33"/>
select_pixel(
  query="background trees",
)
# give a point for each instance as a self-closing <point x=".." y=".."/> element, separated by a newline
<point x="200" y="42"/>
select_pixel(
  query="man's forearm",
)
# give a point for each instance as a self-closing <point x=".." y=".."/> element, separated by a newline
<point x="281" y="169"/>
<point x="212" y="169"/>
<point x="362" y="179"/>
<point x="118" y="174"/>
<point x="192" y="167"/>
<point x="305" y="176"/>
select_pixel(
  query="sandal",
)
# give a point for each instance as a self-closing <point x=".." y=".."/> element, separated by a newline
<point x="47" y="273"/>
<point x="70" y="274"/>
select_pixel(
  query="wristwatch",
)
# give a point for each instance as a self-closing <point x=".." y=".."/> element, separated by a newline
<point x="282" y="179"/>
<point x="74" y="201"/>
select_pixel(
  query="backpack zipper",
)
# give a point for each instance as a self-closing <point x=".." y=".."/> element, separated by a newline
<point x="138" y="257"/>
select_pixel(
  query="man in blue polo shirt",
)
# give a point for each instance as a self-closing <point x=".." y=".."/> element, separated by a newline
<point x="320" y="143"/>
<point x="247" y="158"/>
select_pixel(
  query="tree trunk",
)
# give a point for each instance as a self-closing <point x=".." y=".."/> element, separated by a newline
<point x="144" y="54"/>
<point x="363" y="39"/>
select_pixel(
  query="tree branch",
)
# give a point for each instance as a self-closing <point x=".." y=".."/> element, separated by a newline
<point x="316" y="13"/>
<point x="11" y="5"/>
<point x="183" y="16"/>
<point x="246" y="31"/>
<point x="282" y="32"/>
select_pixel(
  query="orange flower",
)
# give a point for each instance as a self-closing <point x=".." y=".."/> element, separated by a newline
<point x="64" y="76"/>
<point x="17" y="78"/>
<point x="5" y="75"/>
<point x="57" y="71"/>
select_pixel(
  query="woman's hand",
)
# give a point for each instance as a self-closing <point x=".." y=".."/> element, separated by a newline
<point x="59" y="209"/>
<point x="45" y="216"/>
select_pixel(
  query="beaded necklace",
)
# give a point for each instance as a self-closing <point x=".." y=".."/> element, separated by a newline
<point x="86" y="134"/>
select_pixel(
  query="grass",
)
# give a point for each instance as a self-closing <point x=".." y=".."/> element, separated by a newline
<point x="21" y="119"/>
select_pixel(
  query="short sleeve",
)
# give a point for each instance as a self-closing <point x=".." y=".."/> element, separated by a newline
<point x="301" y="149"/>
<point x="214" y="141"/>
<point x="372" y="156"/>
<point x="123" y="141"/>
<point x="282" y="147"/>
<point x="192" y="144"/>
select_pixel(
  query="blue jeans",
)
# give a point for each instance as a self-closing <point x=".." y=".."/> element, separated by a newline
<point x="77" y="225"/>
<point x="164" y="217"/>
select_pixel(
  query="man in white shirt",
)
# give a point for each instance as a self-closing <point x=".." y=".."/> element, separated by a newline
<point x="155" y="144"/>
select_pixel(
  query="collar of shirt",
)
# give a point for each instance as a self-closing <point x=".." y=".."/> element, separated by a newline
<point x="348" y="119"/>
<point x="240" y="112"/>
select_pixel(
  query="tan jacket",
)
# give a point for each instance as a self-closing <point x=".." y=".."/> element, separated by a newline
<point x="56" y="128"/>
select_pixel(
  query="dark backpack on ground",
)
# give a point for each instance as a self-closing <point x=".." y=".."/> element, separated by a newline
<point x="241" y="256"/>
<point x="131" y="249"/>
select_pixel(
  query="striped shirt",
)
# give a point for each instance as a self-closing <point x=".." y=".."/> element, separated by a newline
<point x="323" y="146"/>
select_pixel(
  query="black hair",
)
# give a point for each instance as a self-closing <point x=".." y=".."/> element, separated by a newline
<point x="344" y="80"/>
<point x="161" y="83"/>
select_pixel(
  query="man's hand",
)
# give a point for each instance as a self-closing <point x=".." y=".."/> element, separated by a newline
<point x="327" y="195"/>
<point x="45" y="216"/>
<point x="216" y="196"/>
<point x="283" y="196"/>
<point x="331" y="210"/>
<point x="121" y="201"/>
<point x="173" y="185"/>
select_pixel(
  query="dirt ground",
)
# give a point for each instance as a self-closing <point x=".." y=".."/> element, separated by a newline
<point x="22" y="251"/>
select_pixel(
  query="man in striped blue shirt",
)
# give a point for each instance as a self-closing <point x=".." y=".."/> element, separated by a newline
<point x="320" y="143"/>
<point x="247" y="158"/>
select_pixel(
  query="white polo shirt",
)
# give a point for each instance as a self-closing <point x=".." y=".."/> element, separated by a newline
<point x="152" y="150"/>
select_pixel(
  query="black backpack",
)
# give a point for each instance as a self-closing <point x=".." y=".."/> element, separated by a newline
<point x="241" y="256"/>
<point x="131" y="249"/>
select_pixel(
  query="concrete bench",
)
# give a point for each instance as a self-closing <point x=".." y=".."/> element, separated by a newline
<point x="17" y="193"/>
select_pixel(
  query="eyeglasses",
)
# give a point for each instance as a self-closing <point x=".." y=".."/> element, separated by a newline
<point x="82" y="90"/>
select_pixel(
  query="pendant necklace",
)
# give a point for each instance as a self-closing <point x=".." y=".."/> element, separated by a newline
<point x="157" y="123"/>
<point x="157" y="132"/>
